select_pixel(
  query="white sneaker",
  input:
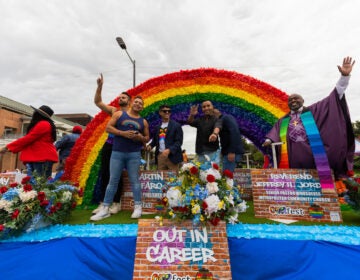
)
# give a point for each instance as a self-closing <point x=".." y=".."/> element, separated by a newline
<point x="102" y="214"/>
<point x="137" y="212"/>
<point x="97" y="209"/>
<point x="115" y="208"/>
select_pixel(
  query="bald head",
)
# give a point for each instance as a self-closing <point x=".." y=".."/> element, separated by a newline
<point x="295" y="102"/>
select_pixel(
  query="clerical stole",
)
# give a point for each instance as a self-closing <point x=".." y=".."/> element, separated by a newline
<point x="317" y="148"/>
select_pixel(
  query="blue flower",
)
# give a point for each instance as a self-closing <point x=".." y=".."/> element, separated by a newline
<point x="11" y="194"/>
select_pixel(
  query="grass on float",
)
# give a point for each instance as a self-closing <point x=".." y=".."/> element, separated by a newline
<point x="81" y="216"/>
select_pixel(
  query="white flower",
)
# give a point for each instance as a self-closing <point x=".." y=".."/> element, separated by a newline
<point x="212" y="187"/>
<point x="230" y="199"/>
<point x="67" y="195"/>
<point x="212" y="202"/>
<point x="26" y="196"/>
<point x="229" y="182"/>
<point x="211" y="171"/>
<point x="241" y="207"/>
<point x="186" y="167"/>
<point x="6" y="205"/>
<point x="233" y="219"/>
<point x="174" y="197"/>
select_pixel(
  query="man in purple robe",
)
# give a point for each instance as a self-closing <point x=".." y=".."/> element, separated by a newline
<point x="332" y="118"/>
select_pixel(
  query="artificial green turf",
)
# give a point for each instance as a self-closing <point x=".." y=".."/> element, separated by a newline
<point x="82" y="216"/>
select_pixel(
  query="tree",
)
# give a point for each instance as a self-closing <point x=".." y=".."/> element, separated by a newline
<point x="356" y="128"/>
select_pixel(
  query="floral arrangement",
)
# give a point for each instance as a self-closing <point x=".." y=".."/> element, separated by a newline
<point x="349" y="193"/>
<point x="203" y="194"/>
<point x="33" y="204"/>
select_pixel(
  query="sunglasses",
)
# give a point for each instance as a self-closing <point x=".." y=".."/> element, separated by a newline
<point x="166" y="111"/>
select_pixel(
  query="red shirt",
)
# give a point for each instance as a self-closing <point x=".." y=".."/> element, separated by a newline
<point x="37" y="145"/>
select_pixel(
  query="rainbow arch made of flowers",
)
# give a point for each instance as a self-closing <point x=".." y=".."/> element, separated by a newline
<point x="255" y="105"/>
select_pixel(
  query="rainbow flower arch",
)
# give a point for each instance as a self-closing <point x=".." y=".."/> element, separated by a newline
<point x="255" y="105"/>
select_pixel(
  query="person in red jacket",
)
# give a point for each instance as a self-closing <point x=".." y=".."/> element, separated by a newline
<point x="37" y="149"/>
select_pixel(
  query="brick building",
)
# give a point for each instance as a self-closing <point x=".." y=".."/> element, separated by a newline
<point x="14" y="120"/>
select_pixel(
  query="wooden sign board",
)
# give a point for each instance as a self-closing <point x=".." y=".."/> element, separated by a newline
<point x="242" y="177"/>
<point x="293" y="194"/>
<point x="181" y="251"/>
<point x="152" y="185"/>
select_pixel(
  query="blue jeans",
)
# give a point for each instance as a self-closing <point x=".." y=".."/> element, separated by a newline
<point x="231" y="165"/>
<point x="119" y="161"/>
<point x="214" y="157"/>
<point x="42" y="169"/>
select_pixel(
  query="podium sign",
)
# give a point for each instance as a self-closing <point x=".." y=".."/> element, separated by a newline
<point x="293" y="194"/>
<point x="242" y="178"/>
<point x="181" y="251"/>
<point x="152" y="185"/>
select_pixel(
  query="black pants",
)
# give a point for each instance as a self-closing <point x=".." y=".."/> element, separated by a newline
<point x="105" y="173"/>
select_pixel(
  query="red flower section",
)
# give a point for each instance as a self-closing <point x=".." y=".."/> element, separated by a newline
<point x="41" y="196"/>
<point x="210" y="178"/>
<point x="215" y="166"/>
<point x="228" y="173"/>
<point x="52" y="209"/>
<point x="204" y="205"/>
<point x="215" y="221"/>
<point x="81" y="192"/>
<point x="2" y="227"/>
<point x="44" y="203"/>
<point x="3" y="189"/>
<point x="25" y="179"/>
<point x="15" y="214"/>
<point x="13" y="185"/>
<point x="27" y="187"/>
<point x="194" y="170"/>
<point x="73" y="205"/>
<point x="58" y="205"/>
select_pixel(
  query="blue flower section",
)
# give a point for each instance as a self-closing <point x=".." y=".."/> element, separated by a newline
<point x="10" y="194"/>
<point x="65" y="187"/>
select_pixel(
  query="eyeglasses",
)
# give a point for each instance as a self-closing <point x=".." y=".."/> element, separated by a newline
<point x="166" y="111"/>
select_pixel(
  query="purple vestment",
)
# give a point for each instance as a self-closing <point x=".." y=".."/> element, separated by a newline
<point x="333" y="121"/>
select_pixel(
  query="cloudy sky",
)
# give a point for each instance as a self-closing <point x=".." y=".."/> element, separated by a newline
<point x="53" y="51"/>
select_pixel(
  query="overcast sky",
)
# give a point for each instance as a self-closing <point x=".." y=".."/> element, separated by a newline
<point x="53" y="51"/>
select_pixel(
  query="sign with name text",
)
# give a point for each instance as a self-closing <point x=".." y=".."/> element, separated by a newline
<point x="293" y="194"/>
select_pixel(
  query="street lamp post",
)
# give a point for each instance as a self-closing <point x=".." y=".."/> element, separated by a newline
<point x="123" y="46"/>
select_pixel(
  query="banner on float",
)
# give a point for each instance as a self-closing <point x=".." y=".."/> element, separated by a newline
<point x="171" y="250"/>
<point x="293" y="194"/>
